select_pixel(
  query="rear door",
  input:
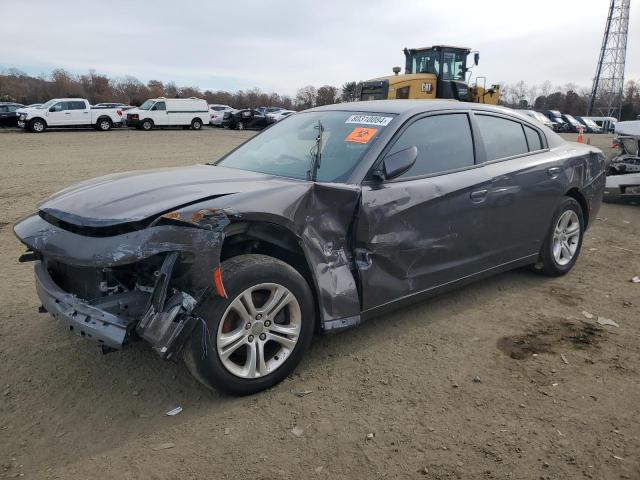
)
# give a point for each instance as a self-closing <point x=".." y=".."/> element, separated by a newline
<point x="422" y="230"/>
<point x="80" y="113"/>
<point x="524" y="185"/>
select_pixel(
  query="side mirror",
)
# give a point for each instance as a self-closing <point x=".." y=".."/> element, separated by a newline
<point x="476" y="58"/>
<point x="398" y="163"/>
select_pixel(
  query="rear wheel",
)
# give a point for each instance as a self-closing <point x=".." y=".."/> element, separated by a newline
<point x="253" y="339"/>
<point x="104" y="125"/>
<point x="147" y="125"/>
<point x="196" y="124"/>
<point x="563" y="242"/>
<point x="37" y="125"/>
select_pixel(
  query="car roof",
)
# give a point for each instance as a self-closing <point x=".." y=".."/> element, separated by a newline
<point x="413" y="107"/>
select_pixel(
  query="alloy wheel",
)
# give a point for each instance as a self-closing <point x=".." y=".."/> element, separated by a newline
<point x="259" y="330"/>
<point x="566" y="237"/>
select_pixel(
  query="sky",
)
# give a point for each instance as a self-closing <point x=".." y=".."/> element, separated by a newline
<point x="280" y="46"/>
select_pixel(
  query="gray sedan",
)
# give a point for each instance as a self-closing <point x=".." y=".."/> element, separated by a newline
<point x="322" y="221"/>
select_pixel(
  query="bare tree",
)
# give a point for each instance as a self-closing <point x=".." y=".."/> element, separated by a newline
<point x="306" y="97"/>
<point x="326" y="95"/>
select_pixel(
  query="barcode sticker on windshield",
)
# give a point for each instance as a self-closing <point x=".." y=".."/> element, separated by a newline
<point x="369" y="120"/>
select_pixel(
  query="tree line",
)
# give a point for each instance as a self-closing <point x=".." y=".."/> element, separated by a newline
<point x="19" y="87"/>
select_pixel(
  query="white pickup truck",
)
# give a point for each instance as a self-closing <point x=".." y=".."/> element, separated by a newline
<point x="68" y="112"/>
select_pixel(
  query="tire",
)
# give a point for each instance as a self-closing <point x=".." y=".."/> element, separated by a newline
<point x="37" y="125"/>
<point x="104" y="124"/>
<point x="240" y="126"/>
<point x="235" y="373"/>
<point x="147" y="125"/>
<point x="196" y="124"/>
<point x="555" y="261"/>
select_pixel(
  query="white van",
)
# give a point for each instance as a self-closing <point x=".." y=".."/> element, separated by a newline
<point x="169" y="112"/>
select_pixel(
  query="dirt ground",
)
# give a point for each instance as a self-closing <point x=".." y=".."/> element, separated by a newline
<point x="504" y="379"/>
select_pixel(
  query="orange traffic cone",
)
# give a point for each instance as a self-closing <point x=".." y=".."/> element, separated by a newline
<point x="580" y="135"/>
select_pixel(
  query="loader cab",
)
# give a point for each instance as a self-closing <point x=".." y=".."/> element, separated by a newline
<point x="448" y="64"/>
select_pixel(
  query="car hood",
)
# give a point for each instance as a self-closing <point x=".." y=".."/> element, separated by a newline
<point x="136" y="196"/>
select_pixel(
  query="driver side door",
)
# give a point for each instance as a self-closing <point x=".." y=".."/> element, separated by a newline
<point x="59" y="115"/>
<point x="422" y="230"/>
<point x="159" y="114"/>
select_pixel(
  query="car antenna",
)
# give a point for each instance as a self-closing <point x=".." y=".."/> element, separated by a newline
<point x="316" y="156"/>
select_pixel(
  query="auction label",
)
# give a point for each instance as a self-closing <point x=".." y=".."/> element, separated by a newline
<point x="369" y="120"/>
<point x="361" y="135"/>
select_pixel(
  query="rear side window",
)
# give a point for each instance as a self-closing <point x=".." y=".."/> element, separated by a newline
<point x="444" y="143"/>
<point x="4" y="109"/>
<point x="76" y="106"/>
<point x="502" y="138"/>
<point x="533" y="139"/>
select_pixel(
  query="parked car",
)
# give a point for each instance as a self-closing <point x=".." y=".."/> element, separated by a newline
<point x="539" y="117"/>
<point x="279" y="115"/>
<point x="555" y="116"/>
<point x="217" y="113"/>
<point x="337" y="214"/>
<point x="68" y="113"/>
<point x="623" y="172"/>
<point x="245" y="119"/>
<point x="607" y="124"/>
<point x="266" y="110"/>
<point x="574" y="125"/>
<point x="589" y="125"/>
<point x="169" y="112"/>
<point x="110" y="105"/>
<point x="8" y="117"/>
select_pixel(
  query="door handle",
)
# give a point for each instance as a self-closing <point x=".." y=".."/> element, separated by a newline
<point x="67" y="113"/>
<point x="85" y="112"/>
<point x="479" y="195"/>
<point x="553" y="172"/>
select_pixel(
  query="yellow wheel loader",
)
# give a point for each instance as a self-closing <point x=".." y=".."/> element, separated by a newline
<point x="432" y="72"/>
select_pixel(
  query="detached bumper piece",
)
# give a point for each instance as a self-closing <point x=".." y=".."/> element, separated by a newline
<point x="167" y="320"/>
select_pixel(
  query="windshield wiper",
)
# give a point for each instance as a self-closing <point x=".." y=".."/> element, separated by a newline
<point x="316" y="156"/>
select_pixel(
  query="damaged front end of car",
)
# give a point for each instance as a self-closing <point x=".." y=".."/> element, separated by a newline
<point x="115" y="283"/>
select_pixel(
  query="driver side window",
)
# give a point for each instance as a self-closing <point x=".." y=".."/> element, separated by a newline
<point x="59" y="107"/>
<point x="444" y="143"/>
<point x="159" y="106"/>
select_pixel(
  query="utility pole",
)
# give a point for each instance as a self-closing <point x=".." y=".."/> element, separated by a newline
<point x="608" y="84"/>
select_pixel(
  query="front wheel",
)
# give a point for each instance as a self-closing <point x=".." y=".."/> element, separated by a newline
<point x="147" y="125"/>
<point x="255" y="337"/>
<point x="563" y="242"/>
<point x="37" y="126"/>
<point x="196" y="124"/>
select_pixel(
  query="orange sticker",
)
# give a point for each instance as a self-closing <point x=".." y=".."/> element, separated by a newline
<point x="361" y="135"/>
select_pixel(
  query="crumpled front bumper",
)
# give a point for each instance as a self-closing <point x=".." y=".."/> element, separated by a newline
<point x="92" y="320"/>
<point x="163" y="314"/>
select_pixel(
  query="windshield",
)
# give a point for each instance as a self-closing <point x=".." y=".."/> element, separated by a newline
<point x="147" y="105"/>
<point x="540" y="117"/>
<point x="50" y="103"/>
<point x="289" y="147"/>
<point x="572" y="120"/>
